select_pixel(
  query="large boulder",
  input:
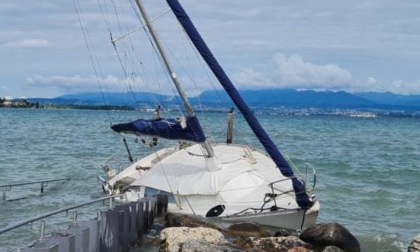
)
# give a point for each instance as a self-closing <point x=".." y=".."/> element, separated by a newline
<point x="184" y="220"/>
<point x="330" y="234"/>
<point x="173" y="238"/>
<point x="246" y="229"/>
<point x="415" y="245"/>
<point x="273" y="244"/>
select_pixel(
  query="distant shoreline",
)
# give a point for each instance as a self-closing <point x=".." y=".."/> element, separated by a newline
<point x="273" y="111"/>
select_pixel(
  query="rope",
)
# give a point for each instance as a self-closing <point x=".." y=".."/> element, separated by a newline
<point x="92" y="53"/>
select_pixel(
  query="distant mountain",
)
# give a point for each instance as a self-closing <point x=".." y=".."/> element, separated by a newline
<point x="390" y="99"/>
<point x="290" y="97"/>
<point x="255" y="98"/>
<point x="117" y="98"/>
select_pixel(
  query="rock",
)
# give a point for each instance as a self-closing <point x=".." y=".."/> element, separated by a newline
<point x="272" y="244"/>
<point x="299" y="249"/>
<point x="246" y="229"/>
<point x="194" y="246"/>
<point x="415" y="245"/>
<point x="332" y="249"/>
<point x="285" y="232"/>
<point x="173" y="238"/>
<point x="330" y="234"/>
<point x="184" y="220"/>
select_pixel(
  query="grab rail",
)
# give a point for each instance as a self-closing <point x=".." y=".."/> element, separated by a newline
<point x="314" y="173"/>
<point x="66" y="209"/>
<point x="307" y="167"/>
<point x="44" y="183"/>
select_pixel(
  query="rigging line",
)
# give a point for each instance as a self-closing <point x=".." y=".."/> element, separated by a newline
<point x="122" y="64"/>
<point x="165" y="174"/>
<point x="146" y="80"/>
<point x="205" y="69"/>
<point x="140" y="27"/>
<point x="191" y="73"/>
<point x="160" y="60"/>
<point x="108" y="25"/>
<point x="106" y="20"/>
<point x="175" y="101"/>
<point x="127" y="79"/>
<point x="136" y="72"/>
<point x="93" y="55"/>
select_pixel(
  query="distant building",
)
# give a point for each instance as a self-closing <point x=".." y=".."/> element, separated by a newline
<point x="17" y="103"/>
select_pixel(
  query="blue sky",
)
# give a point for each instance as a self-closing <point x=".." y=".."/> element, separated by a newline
<point x="356" y="46"/>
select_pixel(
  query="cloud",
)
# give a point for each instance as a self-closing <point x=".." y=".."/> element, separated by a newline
<point x="371" y="81"/>
<point x="396" y="86"/>
<point x="79" y="84"/>
<point x="251" y="79"/>
<point x="295" y="72"/>
<point x="29" y="43"/>
<point x="76" y="83"/>
<point x="405" y="88"/>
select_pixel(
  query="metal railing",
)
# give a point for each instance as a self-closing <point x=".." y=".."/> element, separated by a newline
<point x="62" y="210"/>
<point x="44" y="183"/>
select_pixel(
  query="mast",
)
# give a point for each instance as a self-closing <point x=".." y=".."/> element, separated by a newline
<point x="170" y="70"/>
<point x="164" y="57"/>
<point x="301" y="197"/>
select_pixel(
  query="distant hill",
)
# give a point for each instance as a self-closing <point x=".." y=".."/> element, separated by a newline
<point x="255" y="98"/>
<point x="390" y="99"/>
<point x="116" y="98"/>
<point x="291" y="97"/>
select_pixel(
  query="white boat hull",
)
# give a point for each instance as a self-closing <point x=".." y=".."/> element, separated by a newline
<point x="289" y="219"/>
<point x="240" y="186"/>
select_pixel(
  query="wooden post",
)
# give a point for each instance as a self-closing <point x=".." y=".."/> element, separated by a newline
<point x="162" y="204"/>
<point x="229" y="135"/>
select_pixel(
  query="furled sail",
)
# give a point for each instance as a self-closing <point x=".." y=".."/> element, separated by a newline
<point x="301" y="197"/>
<point x="187" y="129"/>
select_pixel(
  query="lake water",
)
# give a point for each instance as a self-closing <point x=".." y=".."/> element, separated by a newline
<point x="368" y="169"/>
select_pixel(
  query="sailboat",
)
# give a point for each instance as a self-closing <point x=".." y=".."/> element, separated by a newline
<point x="233" y="182"/>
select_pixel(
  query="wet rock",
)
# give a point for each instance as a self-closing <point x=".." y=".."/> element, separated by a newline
<point x="332" y="249"/>
<point x="331" y="234"/>
<point x="173" y="238"/>
<point x="184" y="220"/>
<point x="415" y="245"/>
<point x="246" y="229"/>
<point x="283" y="232"/>
<point x="271" y="244"/>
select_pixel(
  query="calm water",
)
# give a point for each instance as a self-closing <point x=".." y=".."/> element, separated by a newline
<point x="368" y="169"/>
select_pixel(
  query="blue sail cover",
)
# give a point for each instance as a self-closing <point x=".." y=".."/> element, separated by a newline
<point x="301" y="197"/>
<point x="166" y="128"/>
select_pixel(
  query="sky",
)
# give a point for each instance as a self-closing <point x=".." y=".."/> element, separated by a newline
<point x="354" y="46"/>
